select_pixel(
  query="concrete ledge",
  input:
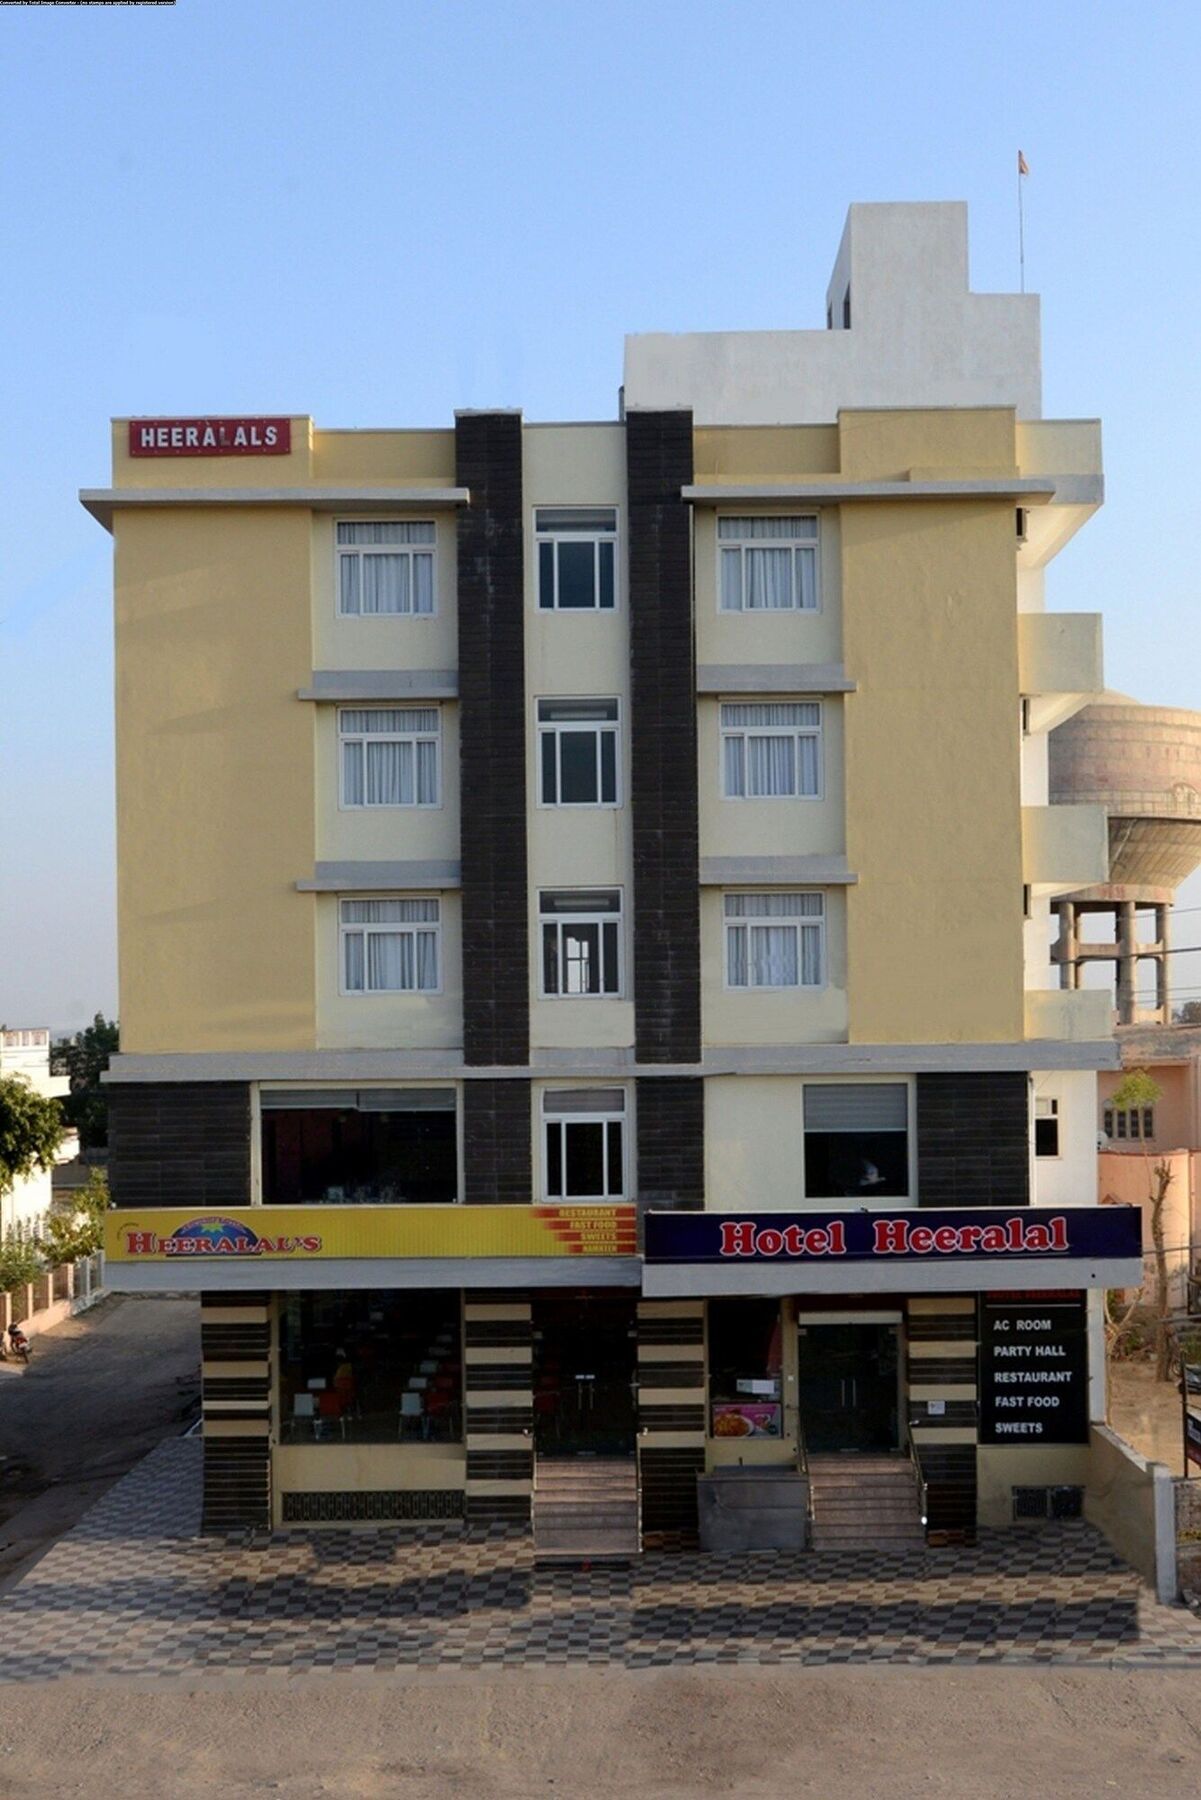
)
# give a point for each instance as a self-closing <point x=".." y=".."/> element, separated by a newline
<point x="102" y="502"/>
<point x="364" y="1066"/>
<point x="381" y="877"/>
<point x="1030" y="489"/>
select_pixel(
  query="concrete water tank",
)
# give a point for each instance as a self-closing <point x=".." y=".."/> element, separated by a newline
<point x="1143" y="764"/>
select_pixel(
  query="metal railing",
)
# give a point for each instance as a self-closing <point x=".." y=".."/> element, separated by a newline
<point x="916" y="1465"/>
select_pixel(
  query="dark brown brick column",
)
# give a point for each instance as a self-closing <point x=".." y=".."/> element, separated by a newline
<point x="179" y="1143"/>
<point x="492" y="737"/>
<point x="663" y="787"/>
<point x="973" y="1139"/>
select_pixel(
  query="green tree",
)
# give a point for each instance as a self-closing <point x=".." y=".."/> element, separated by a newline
<point x="1137" y="1090"/>
<point x="1189" y="1013"/>
<point x="83" y="1060"/>
<point x="31" y="1131"/>
<point x="77" y="1228"/>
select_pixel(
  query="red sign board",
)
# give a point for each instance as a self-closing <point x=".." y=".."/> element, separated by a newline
<point x="210" y="437"/>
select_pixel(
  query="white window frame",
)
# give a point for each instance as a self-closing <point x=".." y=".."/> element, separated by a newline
<point x="346" y="927"/>
<point x="583" y="916"/>
<point x="816" y="732"/>
<point x="618" y="1116"/>
<point x="866" y="1201"/>
<point x="556" y="726"/>
<point x="556" y="535"/>
<point x="413" y="737"/>
<point x="734" y="923"/>
<point x="410" y="550"/>
<point x="743" y="544"/>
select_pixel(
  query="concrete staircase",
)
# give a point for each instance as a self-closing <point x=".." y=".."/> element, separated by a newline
<point x="865" y="1503"/>
<point x="586" y="1509"/>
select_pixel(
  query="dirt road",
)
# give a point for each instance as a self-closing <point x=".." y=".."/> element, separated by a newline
<point x="846" y="1734"/>
<point x="100" y="1391"/>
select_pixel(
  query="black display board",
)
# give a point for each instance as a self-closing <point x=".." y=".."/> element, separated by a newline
<point x="1033" y="1371"/>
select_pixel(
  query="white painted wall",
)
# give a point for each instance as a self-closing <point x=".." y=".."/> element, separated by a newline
<point x="1070" y="1179"/>
<point x="918" y="337"/>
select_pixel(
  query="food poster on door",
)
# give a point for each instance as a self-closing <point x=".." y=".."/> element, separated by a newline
<point x="747" y="1419"/>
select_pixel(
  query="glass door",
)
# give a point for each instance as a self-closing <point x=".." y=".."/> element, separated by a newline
<point x="848" y="1387"/>
<point x="584" y="1387"/>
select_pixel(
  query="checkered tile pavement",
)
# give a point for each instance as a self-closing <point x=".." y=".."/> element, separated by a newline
<point x="133" y="1590"/>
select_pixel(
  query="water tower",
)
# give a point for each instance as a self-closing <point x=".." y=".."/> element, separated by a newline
<point x="1143" y="764"/>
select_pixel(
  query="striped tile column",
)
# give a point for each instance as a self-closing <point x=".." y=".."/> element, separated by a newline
<point x="942" y="1347"/>
<point x="498" y="1394"/>
<point x="235" y="1389"/>
<point x="671" y="1417"/>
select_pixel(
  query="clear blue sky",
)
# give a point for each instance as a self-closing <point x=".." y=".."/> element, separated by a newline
<point x="378" y="210"/>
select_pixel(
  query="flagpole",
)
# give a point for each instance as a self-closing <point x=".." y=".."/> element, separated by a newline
<point x="1021" y="229"/>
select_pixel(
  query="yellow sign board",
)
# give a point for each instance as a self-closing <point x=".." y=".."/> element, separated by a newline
<point x="318" y="1233"/>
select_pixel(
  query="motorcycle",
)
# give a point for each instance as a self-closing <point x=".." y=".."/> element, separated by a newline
<point x="17" y="1346"/>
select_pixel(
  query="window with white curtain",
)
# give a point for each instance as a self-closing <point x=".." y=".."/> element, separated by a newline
<point x="775" y="940"/>
<point x="390" y="946"/>
<point x="385" y="566"/>
<point x="768" y="564"/>
<point x="577" y="555"/>
<point x="577" y="752"/>
<point x="771" y="751"/>
<point x="581" y="943"/>
<point x="584" y="1143"/>
<point x="389" y="755"/>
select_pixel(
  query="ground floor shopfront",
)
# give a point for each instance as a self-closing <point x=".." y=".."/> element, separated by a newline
<point x="372" y="1364"/>
<point x="360" y="1406"/>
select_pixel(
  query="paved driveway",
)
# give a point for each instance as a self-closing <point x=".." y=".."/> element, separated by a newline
<point x="133" y="1591"/>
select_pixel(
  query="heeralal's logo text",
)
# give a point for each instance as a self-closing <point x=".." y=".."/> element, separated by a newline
<point x="897" y="1237"/>
<point x="210" y="437"/>
<point x="216" y="1236"/>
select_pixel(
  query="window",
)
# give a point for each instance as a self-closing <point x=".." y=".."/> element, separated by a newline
<point x="577" y="744"/>
<point x="359" y="1147"/>
<point x="370" y="1367"/>
<point x="856" y="1140"/>
<point x="775" y="940"/>
<point x="768" y="565"/>
<point x="771" y="751"/>
<point x="581" y="939"/>
<point x="1046" y="1127"/>
<point x="577" y="553"/>
<point x="385" y="566"/>
<point x="1135" y="1123"/>
<point x="584" y="1143"/>
<point x="745" y="1369"/>
<point x="389" y="755"/>
<point x="390" y="946"/>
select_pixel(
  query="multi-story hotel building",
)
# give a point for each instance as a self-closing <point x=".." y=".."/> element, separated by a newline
<point x="584" y="927"/>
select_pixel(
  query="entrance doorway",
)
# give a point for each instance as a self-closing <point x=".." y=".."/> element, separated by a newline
<point x="584" y="1374"/>
<point x="847" y="1387"/>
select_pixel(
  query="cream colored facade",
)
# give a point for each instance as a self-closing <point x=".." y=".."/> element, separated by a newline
<point x="230" y="784"/>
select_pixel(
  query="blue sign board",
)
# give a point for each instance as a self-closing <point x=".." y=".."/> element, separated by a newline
<point x="1003" y="1236"/>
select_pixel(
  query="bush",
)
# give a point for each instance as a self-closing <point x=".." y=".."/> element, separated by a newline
<point x="20" y="1262"/>
<point x="78" y="1228"/>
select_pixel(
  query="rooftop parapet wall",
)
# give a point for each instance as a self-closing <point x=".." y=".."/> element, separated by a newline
<point x="917" y="337"/>
<point x="399" y="458"/>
